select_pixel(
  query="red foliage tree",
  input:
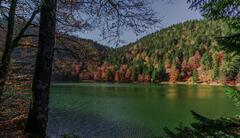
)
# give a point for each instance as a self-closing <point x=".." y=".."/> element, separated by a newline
<point x="117" y="76"/>
<point x="219" y="57"/>
<point x="128" y="74"/>
<point x="96" y="76"/>
<point x="140" y="78"/>
<point x="147" y="78"/>
<point x="77" y="69"/>
<point x="194" y="61"/>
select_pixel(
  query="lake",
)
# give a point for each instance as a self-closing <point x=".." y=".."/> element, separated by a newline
<point x="131" y="110"/>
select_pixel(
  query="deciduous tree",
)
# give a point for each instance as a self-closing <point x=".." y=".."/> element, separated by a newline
<point x="14" y="34"/>
<point x="38" y="114"/>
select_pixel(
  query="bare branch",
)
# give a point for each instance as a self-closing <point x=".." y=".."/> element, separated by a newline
<point x="111" y="17"/>
<point x="29" y="35"/>
<point x="21" y="33"/>
<point x="27" y="45"/>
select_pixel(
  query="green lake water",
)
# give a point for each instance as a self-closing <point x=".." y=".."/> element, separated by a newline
<point x="131" y="110"/>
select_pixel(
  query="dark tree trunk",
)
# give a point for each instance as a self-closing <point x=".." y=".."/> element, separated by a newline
<point x="38" y="114"/>
<point x="4" y="67"/>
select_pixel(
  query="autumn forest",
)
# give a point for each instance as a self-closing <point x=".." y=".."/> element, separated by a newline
<point x="119" y="68"/>
<point x="186" y="52"/>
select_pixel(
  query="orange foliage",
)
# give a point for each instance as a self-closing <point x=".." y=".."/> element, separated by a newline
<point x="96" y="76"/>
<point x="194" y="61"/>
<point x="77" y="69"/>
<point x="173" y="75"/>
<point x="147" y="78"/>
<point x="86" y="76"/>
<point x="123" y="68"/>
<point x="117" y="77"/>
<point x="231" y="82"/>
<point x="128" y="74"/>
<point x="104" y="75"/>
<point x="140" y="78"/>
<point x="205" y="76"/>
<point x="238" y="78"/>
<point x="219" y="57"/>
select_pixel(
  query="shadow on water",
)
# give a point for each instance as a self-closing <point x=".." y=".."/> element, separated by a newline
<point x="91" y="124"/>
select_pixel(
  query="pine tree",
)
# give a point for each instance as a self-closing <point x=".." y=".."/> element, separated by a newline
<point x="195" y="76"/>
<point x="215" y="70"/>
<point x="231" y="66"/>
<point x="155" y="75"/>
<point x="206" y="61"/>
<point x="134" y="74"/>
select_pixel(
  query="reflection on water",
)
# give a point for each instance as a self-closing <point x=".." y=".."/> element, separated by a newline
<point x="130" y="110"/>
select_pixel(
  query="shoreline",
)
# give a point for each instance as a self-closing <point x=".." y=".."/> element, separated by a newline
<point x="165" y="83"/>
<point x="202" y="84"/>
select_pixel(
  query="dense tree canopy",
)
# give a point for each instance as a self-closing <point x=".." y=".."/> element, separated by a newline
<point x="228" y="10"/>
<point x="184" y="50"/>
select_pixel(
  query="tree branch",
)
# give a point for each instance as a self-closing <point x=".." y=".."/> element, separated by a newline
<point x="21" y="33"/>
<point x="29" y="35"/>
<point x="27" y="45"/>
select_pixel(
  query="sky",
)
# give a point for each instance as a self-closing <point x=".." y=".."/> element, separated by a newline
<point x="170" y="13"/>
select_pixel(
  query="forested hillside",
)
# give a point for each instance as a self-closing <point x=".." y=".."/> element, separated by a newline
<point x="70" y="51"/>
<point x="184" y="52"/>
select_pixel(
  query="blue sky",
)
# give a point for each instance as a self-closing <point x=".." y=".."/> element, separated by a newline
<point x="169" y="12"/>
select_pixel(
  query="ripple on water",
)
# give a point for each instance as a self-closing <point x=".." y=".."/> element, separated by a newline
<point x="89" y="124"/>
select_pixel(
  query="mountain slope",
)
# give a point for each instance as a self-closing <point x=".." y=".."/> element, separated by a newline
<point x="182" y="52"/>
<point x="69" y="51"/>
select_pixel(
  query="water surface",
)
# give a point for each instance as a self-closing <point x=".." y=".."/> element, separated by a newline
<point x="131" y="110"/>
